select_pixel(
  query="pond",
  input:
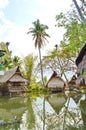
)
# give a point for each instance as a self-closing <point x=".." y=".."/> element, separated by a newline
<point x="61" y="111"/>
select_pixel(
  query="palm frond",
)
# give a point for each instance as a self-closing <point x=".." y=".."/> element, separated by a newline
<point x="39" y="34"/>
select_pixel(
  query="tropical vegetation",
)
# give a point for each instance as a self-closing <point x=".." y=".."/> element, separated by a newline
<point x="62" y="57"/>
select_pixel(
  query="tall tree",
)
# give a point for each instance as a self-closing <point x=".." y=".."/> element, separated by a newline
<point x="39" y="35"/>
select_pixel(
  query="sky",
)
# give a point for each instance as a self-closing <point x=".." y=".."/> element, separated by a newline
<point x="17" y="16"/>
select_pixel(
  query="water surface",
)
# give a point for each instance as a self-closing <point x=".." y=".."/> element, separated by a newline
<point x="61" y="111"/>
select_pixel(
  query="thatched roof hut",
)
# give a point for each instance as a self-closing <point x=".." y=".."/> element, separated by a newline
<point x="13" y="80"/>
<point x="13" y="75"/>
<point x="55" y="83"/>
<point x="81" y="67"/>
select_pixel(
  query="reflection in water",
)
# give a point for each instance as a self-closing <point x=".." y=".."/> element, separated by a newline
<point x="68" y="117"/>
<point x="11" y="108"/>
<point x="82" y="106"/>
<point x="44" y="112"/>
<point x="57" y="101"/>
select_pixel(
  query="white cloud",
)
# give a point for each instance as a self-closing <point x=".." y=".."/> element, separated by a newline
<point x="48" y="11"/>
<point x="53" y="6"/>
<point x="5" y="26"/>
<point x="3" y="3"/>
<point x="1" y="14"/>
<point x="20" y="42"/>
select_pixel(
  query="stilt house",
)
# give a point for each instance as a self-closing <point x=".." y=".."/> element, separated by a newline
<point x="55" y="83"/>
<point x="13" y="81"/>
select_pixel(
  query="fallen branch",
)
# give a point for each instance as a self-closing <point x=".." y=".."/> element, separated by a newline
<point x="9" y="122"/>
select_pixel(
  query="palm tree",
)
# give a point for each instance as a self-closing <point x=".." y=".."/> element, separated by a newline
<point x="39" y="35"/>
<point x="16" y="61"/>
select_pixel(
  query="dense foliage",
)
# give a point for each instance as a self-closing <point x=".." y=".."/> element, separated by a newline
<point x="7" y="59"/>
<point x="62" y="58"/>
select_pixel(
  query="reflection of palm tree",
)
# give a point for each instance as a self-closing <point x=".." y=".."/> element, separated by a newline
<point x="39" y="34"/>
<point x="44" y="113"/>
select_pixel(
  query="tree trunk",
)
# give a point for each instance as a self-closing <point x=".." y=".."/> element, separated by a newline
<point x="79" y="11"/>
<point x="62" y="71"/>
<point x="41" y="66"/>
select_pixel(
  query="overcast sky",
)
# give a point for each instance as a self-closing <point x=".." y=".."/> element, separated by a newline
<point x="16" y="17"/>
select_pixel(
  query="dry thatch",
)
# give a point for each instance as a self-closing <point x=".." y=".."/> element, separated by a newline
<point x="55" y="83"/>
<point x="13" y="75"/>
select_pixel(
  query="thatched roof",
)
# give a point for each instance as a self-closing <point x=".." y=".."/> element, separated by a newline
<point x="13" y="75"/>
<point x="81" y="55"/>
<point x="56" y="76"/>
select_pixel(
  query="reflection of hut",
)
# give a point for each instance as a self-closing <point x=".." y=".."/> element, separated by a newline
<point x="15" y="109"/>
<point x="55" y="83"/>
<point x="11" y="107"/>
<point x="13" y="81"/>
<point x="81" y="67"/>
<point x="57" y="101"/>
